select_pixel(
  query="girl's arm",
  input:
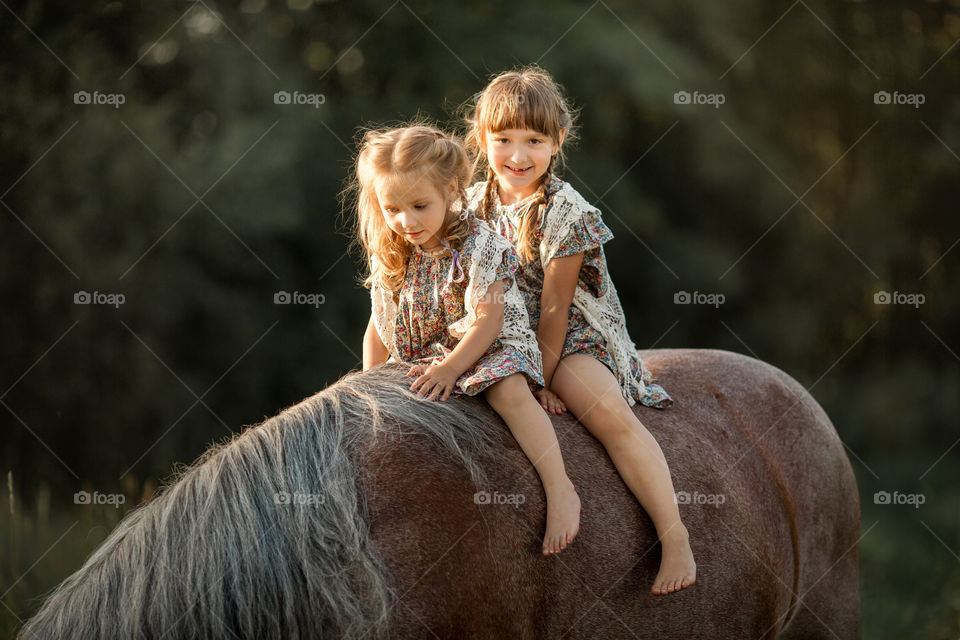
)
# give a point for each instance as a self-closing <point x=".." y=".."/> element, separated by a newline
<point x="559" y="284"/>
<point x="374" y="352"/>
<point x="441" y="378"/>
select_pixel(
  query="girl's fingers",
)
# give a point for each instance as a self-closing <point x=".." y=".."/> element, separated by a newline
<point x="443" y="391"/>
<point x="419" y="383"/>
<point x="427" y="386"/>
<point x="425" y="383"/>
<point x="449" y="390"/>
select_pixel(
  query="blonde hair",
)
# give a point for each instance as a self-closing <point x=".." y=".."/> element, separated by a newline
<point x="525" y="99"/>
<point x="411" y="151"/>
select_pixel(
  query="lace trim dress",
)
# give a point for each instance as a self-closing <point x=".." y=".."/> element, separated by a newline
<point x="437" y="304"/>
<point x="596" y="325"/>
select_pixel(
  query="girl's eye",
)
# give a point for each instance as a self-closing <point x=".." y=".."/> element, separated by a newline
<point x="535" y="140"/>
<point x="419" y="206"/>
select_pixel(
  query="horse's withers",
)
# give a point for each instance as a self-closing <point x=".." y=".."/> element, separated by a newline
<point x="424" y="519"/>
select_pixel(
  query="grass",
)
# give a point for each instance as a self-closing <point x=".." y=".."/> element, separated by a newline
<point x="46" y="541"/>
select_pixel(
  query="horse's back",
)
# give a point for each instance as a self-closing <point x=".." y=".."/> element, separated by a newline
<point x="764" y="487"/>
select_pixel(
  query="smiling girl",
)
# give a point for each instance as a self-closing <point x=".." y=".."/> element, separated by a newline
<point x="445" y="300"/>
<point x="517" y="129"/>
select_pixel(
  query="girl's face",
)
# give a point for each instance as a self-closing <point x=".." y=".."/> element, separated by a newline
<point x="414" y="209"/>
<point x="519" y="158"/>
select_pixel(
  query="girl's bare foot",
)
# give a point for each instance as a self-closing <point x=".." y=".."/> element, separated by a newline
<point x="563" y="517"/>
<point x="677" y="568"/>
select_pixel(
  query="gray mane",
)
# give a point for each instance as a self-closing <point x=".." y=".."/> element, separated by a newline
<point x="217" y="555"/>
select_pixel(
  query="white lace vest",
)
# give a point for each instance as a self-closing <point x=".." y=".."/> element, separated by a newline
<point x="604" y="313"/>
<point x="486" y="254"/>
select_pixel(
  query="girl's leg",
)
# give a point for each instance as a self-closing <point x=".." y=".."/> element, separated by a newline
<point x="530" y="425"/>
<point x="601" y="407"/>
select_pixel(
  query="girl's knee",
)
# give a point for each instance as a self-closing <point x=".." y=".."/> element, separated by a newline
<point x="609" y="421"/>
<point x="512" y="389"/>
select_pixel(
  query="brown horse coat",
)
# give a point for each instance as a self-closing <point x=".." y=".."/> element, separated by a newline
<point x="765" y="490"/>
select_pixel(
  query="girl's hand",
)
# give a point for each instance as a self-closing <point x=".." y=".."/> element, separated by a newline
<point x="550" y="401"/>
<point x="416" y="370"/>
<point x="434" y="381"/>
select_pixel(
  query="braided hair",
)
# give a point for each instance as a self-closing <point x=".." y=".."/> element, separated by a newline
<point x="525" y="99"/>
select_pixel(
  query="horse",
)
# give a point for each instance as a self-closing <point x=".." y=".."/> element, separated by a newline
<point x="366" y="511"/>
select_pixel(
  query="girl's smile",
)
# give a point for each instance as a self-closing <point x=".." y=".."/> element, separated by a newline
<point x="517" y="172"/>
<point x="519" y="158"/>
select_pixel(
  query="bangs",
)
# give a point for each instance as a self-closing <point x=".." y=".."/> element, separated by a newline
<point x="510" y="107"/>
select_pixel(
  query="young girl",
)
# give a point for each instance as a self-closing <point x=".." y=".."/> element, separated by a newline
<point x="445" y="300"/>
<point x="590" y="364"/>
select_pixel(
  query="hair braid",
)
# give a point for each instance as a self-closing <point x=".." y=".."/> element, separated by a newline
<point x="487" y="203"/>
<point x="533" y="218"/>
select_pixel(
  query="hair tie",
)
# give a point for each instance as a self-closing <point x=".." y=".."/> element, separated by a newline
<point x="454" y="264"/>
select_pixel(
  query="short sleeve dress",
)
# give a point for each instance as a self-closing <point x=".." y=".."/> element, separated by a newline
<point x="596" y="319"/>
<point x="436" y="305"/>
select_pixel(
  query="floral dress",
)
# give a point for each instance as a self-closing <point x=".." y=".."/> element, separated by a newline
<point x="437" y="304"/>
<point x="596" y="321"/>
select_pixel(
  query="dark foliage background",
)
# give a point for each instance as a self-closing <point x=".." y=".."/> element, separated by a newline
<point x="199" y="198"/>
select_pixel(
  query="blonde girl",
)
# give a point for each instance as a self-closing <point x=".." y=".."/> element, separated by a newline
<point x="444" y="298"/>
<point x="517" y="128"/>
